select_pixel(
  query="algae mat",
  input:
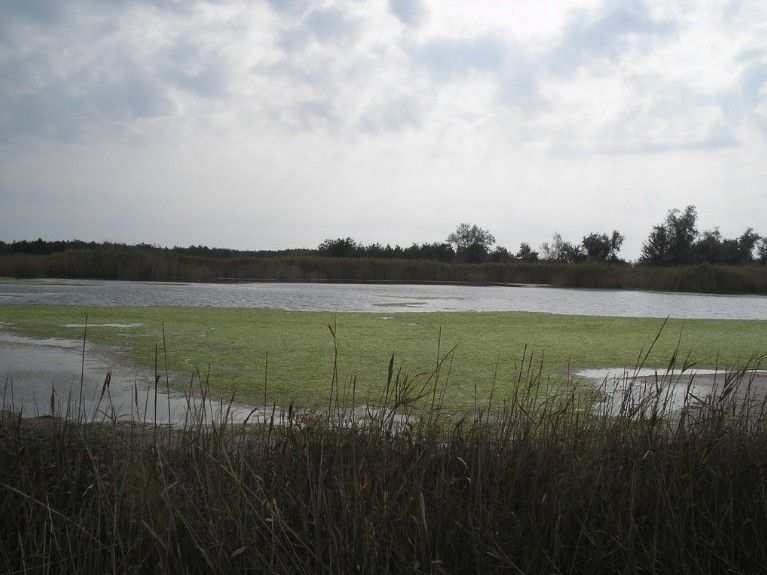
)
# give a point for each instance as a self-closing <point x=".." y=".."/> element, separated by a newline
<point x="232" y="345"/>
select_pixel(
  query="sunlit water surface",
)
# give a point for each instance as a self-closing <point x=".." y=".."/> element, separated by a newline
<point x="385" y="298"/>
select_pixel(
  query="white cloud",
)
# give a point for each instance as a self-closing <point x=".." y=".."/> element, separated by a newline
<point x="409" y="12"/>
<point x="604" y="35"/>
<point x="448" y="58"/>
<point x="393" y="114"/>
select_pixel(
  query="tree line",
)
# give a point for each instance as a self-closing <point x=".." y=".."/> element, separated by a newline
<point x="676" y="241"/>
<point x="473" y="244"/>
<point x="41" y="247"/>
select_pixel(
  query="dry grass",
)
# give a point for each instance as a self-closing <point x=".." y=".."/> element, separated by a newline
<point x="534" y="480"/>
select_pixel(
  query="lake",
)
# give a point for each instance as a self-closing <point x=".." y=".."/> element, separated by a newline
<point x="384" y="298"/>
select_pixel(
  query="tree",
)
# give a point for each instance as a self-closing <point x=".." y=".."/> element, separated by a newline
<point x="526" y="253"/>
<point x="437" y="251"/>
<point x="472" y="243"/>
<point x="746" y="244"/>
<point x="761" y="250"/>
<point x="339" y="248"/>
<point x="676" y="242"/>
<point x="712" y="248"/>
<point x="501" y="255"/>
<point x="560" y="250"/>
<point x="672" y="242"/>
<point x="709" y="246"/>
<point x="601" y="247"/>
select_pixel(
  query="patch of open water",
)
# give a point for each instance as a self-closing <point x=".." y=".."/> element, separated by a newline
<point x="392" y="298"/>
<point x="673" y="390"/>
<point x="42" y="377"/>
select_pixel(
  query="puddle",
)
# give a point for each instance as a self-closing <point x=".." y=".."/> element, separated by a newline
<point x="623" y="373"/>
<point x="9" y="339"/>
<point x="90" y="325"/>
<point x="43" y="377"/>
<point x="401" y="304"/>
<point x="670" y="391"/>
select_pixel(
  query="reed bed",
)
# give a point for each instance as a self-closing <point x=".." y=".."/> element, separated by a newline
<point x="535" y="479"/>
<point x="125" y="263"/>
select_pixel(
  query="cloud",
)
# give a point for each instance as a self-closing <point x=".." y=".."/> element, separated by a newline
<point x="86" y="74"/>
<point x="314" y="114"/>
<point x="329" y="23"/>
<point x="90" y="67"/>
<point x="753" y="91"/>
<point x="604" y="35"/>
<point x="716" y="136"/>
<point x="513" y="75"/>
<point x="36" y="11"/>
<point x="192" y="67"/>
<point x="409" y="12"/>
<point x="43" y="101"/>
<point x="698" y="131"/>
<point x="648" y="113"/>
<point x="520" y="82"/>
<point x="451" y="58"/>
<point x="323" y="25"/>
<point x="292" y="7"/>
<point x="393" y="115"/>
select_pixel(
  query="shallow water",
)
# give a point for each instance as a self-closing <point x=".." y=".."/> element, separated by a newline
<point x="388" y="298"/>
<point x="42" y="377"/>
<point x="670" y="390"/>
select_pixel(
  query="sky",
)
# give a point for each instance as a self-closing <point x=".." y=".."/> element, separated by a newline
<point x="278" y="124"/>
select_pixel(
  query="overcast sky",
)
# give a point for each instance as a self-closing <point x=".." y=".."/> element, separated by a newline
<point x="261" y="125"/>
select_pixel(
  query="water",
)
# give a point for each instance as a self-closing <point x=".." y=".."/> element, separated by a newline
<point x="43" y="377"/>
<point x="672" y="390"/>
<point x="385" y="298"/>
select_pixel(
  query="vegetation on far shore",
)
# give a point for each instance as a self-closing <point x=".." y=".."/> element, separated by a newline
<point x="235" y="343"/>
<point x="675" y="241"/>
<point x="138" y="264"/>
<point x="675" y="257"/>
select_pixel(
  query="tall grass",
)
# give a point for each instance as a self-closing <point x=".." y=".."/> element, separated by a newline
<point x="534" y="480"/>
<point x="125" y="263"/>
